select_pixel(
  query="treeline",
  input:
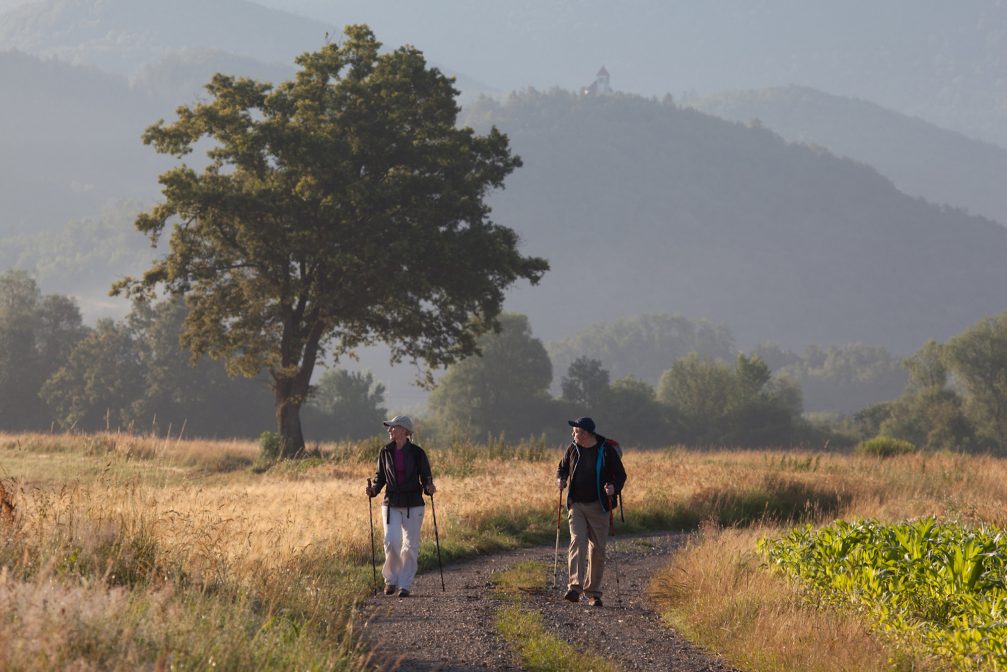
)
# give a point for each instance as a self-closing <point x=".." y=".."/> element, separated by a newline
<point x="58" y="374"/>
<point x="954" y="398"/>
<point x="698" y="401"/>
<point x="687" y="384"/>
<point x="836" y="379"/>
<point x="132" y="374"/>
<point x="85" y="256"/>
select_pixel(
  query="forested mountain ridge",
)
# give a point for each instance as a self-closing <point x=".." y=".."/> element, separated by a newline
<point x="641" y="206"/>
<point x="920" y="158"/>
<point x="942" y="61"/>
<point x="70" y="144"/>
<point x="169" y="50"/>
<point x="645" y="207"/>
<point x="947" y="67"/>
<point x="123" y="35"/>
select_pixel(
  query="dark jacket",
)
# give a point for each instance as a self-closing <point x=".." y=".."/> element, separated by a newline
<point x="418" y="476"/>
<point x="608" y="469"/>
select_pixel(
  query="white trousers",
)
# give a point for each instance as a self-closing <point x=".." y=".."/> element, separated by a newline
<point x="402" y="543"/>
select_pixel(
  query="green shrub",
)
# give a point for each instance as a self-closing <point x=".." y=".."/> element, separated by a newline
<point x="270" y="446"/>
<point x="930" y="583"/>
<point x="885" y="446"/>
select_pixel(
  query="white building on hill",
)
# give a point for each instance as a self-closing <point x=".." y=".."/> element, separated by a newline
<point x="600" y="86"/>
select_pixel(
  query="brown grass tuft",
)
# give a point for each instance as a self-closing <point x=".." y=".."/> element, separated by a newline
<point x="7" y="506"/>
<point x="718" y="592"/>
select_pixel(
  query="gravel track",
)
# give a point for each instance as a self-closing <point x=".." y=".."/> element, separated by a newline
<point x="454" y="630"/>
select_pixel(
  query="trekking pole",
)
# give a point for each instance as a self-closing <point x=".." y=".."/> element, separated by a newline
<point x="611" y="532"/>
<point x="559" y="518"/>
<point x="437" y="540"/>
<point x="370" y="517"/>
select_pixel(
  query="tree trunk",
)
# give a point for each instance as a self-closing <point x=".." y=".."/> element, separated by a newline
<point x="291" y="384"/>
<point x="288" y="419"/>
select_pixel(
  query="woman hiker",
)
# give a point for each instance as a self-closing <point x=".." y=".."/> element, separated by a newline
<point x="404" y="470"/>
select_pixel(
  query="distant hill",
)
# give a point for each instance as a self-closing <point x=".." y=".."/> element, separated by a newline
<point x="642" y="207"/>
<point x="179" y="77"/>
<point x="121" y="36"/>
<point x="70" y="143"/>
<point x="645" y="207"/>
<point x="939" y="60"/>
<point x="921" y="159"/>
<point x="83" y="258"/>
<point x="178" y="44"/>
<point x="943" y="61"/>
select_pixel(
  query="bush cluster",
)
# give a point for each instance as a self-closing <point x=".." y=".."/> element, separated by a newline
<point x="885" y="446"/>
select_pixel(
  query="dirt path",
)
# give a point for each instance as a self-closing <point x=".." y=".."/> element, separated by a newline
<point x="454" y="630"/>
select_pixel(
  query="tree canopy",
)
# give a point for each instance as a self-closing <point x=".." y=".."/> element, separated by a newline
<point x="502" y="391"/>
<point x="36" y="335"/>
<point x="717" y="404"/>
<point x="338" y="209"/>
<point x="978" y="359"/>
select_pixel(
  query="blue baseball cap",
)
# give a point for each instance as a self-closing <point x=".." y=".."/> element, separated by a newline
<point x="584" y="423"/>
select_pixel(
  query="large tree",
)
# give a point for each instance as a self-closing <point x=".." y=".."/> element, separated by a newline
<point x="502" y="391"/>
<point x="338" y="209"/>
<point x="586" y="384"/>
<point x="977" y="358"/>
<point x="37" y="333"/>
<point x="101" y="383"/>
<point x="717" y="404"/>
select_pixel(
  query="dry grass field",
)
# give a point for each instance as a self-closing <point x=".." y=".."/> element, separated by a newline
<point x="124" y="552"/>
<point x="130" y="552"/>
<point x="719" y="592"/>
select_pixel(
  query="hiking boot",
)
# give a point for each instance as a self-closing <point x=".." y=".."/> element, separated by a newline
<point x="403" y="592"/>
<point x="594" y="601"/>
<point x="389" y="589"/>
<point x="572" y="595"/>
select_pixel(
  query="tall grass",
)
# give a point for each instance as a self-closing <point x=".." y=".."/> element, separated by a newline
<point x="127" y="551"/>
<point x="97" y="576"/>
<point x="720" y="591"/>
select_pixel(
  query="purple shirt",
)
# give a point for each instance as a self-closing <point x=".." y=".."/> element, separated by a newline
<point x="400" y="465"/>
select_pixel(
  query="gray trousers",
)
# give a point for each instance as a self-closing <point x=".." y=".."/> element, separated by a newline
<point x="588" y="535"/>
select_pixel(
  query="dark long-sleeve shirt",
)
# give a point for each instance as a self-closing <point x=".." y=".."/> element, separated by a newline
<point x="605" y="466"/>
<point x="408" y="491"/>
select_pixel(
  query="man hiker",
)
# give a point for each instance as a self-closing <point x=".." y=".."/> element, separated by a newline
<point x="593" y="466"/>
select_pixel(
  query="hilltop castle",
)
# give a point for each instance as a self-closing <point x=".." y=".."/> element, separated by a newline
<point x="600" y="86"/>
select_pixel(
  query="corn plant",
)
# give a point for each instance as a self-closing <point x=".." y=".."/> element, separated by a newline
<point x="925" y="583"/>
